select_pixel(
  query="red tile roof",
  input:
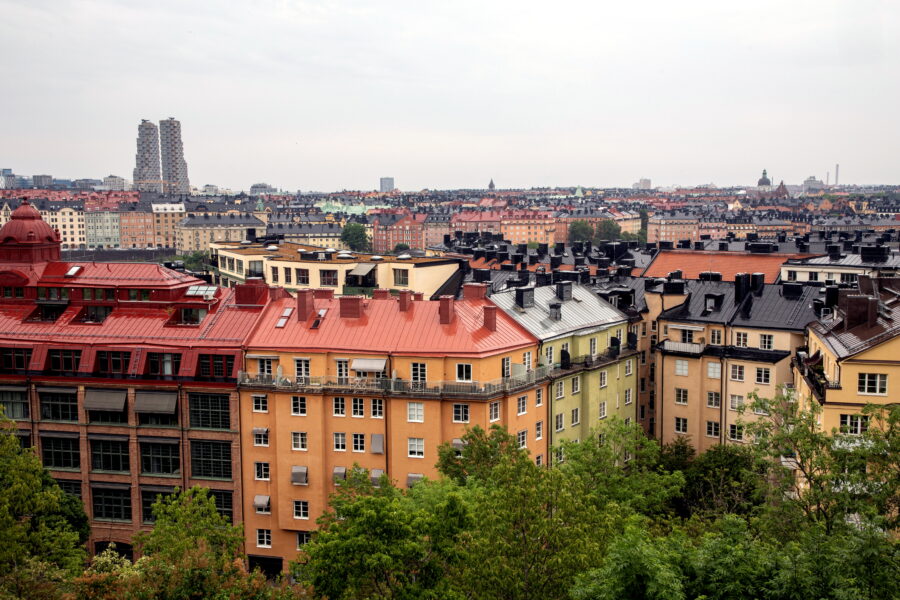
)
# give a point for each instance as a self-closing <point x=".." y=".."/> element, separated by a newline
<point x="692" y="262"/>
<point x="384" y="329"/>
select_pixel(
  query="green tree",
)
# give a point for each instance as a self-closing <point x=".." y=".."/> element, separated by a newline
<point x="354" y="235"/>
<point x="41" y="548"/>
<point x="607" y="230"/>
<point x="481" y="452"/>
<point x="401" y="247"/>
<point x="580" y="231"/>
<point x="723" y="480"/>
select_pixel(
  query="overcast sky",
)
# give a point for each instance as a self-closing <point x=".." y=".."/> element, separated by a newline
<point x="332" y="95"/>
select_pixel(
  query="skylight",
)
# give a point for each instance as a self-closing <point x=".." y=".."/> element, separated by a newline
<point x="281" y="323"/>
<point x="73" y="271"/>
<point x="200" y="290"/>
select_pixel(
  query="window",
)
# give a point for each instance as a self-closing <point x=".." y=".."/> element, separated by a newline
<point x="15" y="404"/>
<point x="792" y="275"/>
<point x="763" y="376"/>
<point x="539" y="397"/>
<point x="713" y="400"/>
<point x="301" y="369"/>
<point x="560" y="389"/>
<point x="712" y="429"/>
<point x="260" y="436"/>
<point x="109" y="455"/>
<point x="302" y="276"/>
<point x="766" y="341"/>
<point x="715" y="337"/>
<point x="564" y="348"/>
<point x="303" y="538"/>
<point x="148" y="499"/>
<point x="737" y="372"/>
<point x="211" y="459"/>
<point x="460" y="413"/>
<point x="61" y="452"/>
<point x="265" y="367"/>
<point x="522" y="438"/>
<point x="401" y="277"/>
<point x="338" y="407"/>
<point x="55" y="406"/>
<point x="549" y="354"/>
<point x="340" y="442"/>
<point x="358" y="407"/>
<point x="872" y="383"/>
<point x="139" y="295"/>
<point x="210" y="411"/>
<point x="419" y="372"/>
<point x="13" y="360"/>
<point x="813" y="276"/>
<point x="301" y="509"/>
<point x="298" y="440"/>
<point x="415" y="412"/>
<point x="463" y="372"/>
<point x="714" y="370"/>
<point x="262" y="471"/>
<point x="263" y="538"/>
<point x="63" y="361"/>
<point x="359" y="442"/>
<point x="629" y="367"/>
<point x="681" y="396"/>
<point x="628" y="393"/>
<point x="287" y="275"/>
<point x="112" y="363"/>
<point x="328" y="277"/>
<point x="736" y="432"/>
<point x="526" y="361"/>
<point x="505" y="366"/>
<point x="160" y="458"/>
<point x="494" y="411"/>
<point x="854" y="424"/>
<point x="521" y="405"/>
<point x="560" y="424"/>
<point x="111" y="504"/>
<point x="687" y="336"/>
<point x="576" y="384"/>
<point x="735" y="402"/>
<point x="848" y="278"/>
<point x="377" y="408"/>
<point x="681" y="367"/>
<point x="260" y="403"/>
<point x="602" y="410"/>
<point x="539" y="460"/>
<point x="602" y="379"/>
<point x="592" y="346"/>
<point x="416" y="447"/>
<point x="740" y="340"/>
<point x="274" y="274"/>
<point x="264" y="509"/>
<point x="163" y="363"/>
<point x="298" y="406"/>
<point x="215" y="365"/>
<point x="681" y="425"/>
<point x="539" y="430"/>
<point x="576" y="416"/>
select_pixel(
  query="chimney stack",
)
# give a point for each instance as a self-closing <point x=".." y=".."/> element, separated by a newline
<point x="405" y="300"/>
<point x="306" y="307"/>
<point x="556" y="311"/>
<point x="381" y="294"/>
<point x="490" y="317"/>
<point x="446" y="310"/>
<point x="351" y="307"/>
<point x="474" y="291"/>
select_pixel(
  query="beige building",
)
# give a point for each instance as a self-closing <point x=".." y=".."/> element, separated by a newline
<point x="196" y="233"/>
<point x="298" y="266"/>
<point x="166" y="215"/>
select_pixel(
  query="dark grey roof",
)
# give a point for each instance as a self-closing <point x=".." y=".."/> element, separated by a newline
<point x="221" y="220"/>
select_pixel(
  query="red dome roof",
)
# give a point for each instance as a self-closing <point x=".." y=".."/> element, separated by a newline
<point x="26" y="226"/>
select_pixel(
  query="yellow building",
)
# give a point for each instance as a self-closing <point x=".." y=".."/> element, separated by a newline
<point x="196" y="233"/>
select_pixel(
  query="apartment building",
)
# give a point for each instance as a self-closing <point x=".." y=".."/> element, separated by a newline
<point x="722" y="343"/>
<point x="122" y="376"/>
<point x="298" y="266"/>
<point x="136" y="228"/>
<point x="376" y="382"/>
<point x="166" y="215"/>
<point x="586" y="343"/>
<point x="844" y="263"/>
<point x="323" y="235"/>
<point x="197" y="232"/>
<point x="522" y="227"/>
<point x="102" y="229"/>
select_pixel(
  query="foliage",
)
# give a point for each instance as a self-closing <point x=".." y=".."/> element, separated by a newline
<point x="607" y="230"/>
<point x="482" y="451"/>
<point x="41" y="548"/>
<point x="401" y="247"/>
<point x="355" y="236"/>
<point x="580" y="231"/>
<point x="195" y="261"/>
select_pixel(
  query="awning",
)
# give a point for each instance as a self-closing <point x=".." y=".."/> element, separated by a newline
<point x="108" y="485"/>
<point x="413" y="478"/>
<point x="156" y="440"/>
<point x="458" y="444"/>
<point x="59" y="434"/>
<point x="104" y="399"/>
<point x="299" y="475"/>
<point x="159" y="489"/>
<point x="371" y="365"/>
<point x="339" y="474"/>
<point x="155" y="402"/>
<point x="13" y="388"/>
<point x="260" y="503"/>
<point x="375" y="475"/>
<point x="107" y="437"/>
<point x="682" y="327"/>
<point x="362" y="269"/>
<point x="260" y="430"/>
<point x="377" y="443"/>
<point x="57" y="390"/>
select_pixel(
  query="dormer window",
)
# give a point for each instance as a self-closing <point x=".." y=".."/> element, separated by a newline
<point x="53" y="294"/>
<point x="13" y="292"/>
<point x="139" y="295"/>
<point x="101" y="294"/>
<point x="95" y="314"/>
<point x="63" y="361"/>
<point x="112" y="363"/>
<point x="192" y="316"/>
<point x="162" y="363"/>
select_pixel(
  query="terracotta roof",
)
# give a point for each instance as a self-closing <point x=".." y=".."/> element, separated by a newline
<point x="693" y="262"/>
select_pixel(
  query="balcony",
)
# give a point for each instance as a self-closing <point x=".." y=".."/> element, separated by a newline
<point x="814" y="376"/>
<point x="392" y="387"/>
<point x="682" y="347"/>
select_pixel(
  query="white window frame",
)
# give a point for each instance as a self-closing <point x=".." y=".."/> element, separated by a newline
<point x="737" y="373"/>
<point x="262" y="471"/>
<point x="466" y="372"/>
<point x="359" y="442"/>
<point x="684" y="425"/>
<point x="338" y="406"/>
<point x="864" y="381"/>
<point x="299" y="441"/>
<point x="339" y="441"/>
<point x="415" y="447"/>
<point x="494" y="411"/>
<point x="376" y="408"/>
<point x="260" y="403"/>
<point x="681" y="367"/>
<point x="415" y="412"/>
<point x="714" y="370"/>
<point x="604" y="377"/>
<point x="463" y="410"/>
<point x="303" y="505"/>
<point x="298" y="406"/>
<point x="358" y="408"/>
<point x="713" y="404"/>
<point x="602" y="410"/>
<point x="263" y="538"/>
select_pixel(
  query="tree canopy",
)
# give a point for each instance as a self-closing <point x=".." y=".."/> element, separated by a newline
<point x="355" y="236"/>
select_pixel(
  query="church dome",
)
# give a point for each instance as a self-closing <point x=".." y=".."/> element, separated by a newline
<point x="764" y="180"/>
<point x="26" y="226"/>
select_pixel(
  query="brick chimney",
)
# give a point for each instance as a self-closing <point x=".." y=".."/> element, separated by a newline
<point x="305" y="305"/>
<point x="381" y="294"/>
<point x="474" y="291"/>
<point x="490" y="317"/>
<point x="351" y="307"/>
<point x="405" y="300"/>
<point x="872" y="320"/>
<point x="446" y="310"/>
<point x="323" y="294"/>
<point x="418" y="296"/>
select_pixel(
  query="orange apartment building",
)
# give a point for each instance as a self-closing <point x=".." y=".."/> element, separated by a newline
<point x="521" y="227"/>
<point x="332" y="382"/>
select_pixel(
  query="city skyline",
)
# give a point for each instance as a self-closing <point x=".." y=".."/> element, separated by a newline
<point x="311" y="97"/>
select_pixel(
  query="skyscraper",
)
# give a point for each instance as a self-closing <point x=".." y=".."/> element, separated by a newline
<point x="386" y="185"/>
<point x="174" y="167"/>
<point x="146" y="168"/>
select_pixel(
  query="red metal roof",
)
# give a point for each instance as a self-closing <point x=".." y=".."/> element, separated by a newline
<point x="383" y="328"/>
<point x="692" y="262"/>
<point x="120" y="274"/>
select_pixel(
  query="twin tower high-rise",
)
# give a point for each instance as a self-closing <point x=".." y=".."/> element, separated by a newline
<point x="173" y="177"/>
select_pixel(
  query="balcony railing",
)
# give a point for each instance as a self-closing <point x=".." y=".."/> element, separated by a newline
<point x="389" y="386"/>
<point x="682" y="347"/>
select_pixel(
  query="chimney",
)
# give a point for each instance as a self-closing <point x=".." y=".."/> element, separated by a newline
<point x="872" y="320"/>
<point x="474" y="291"/>
<point x="555" y="311"/>
<point x="446" y="309"/>
<point x="418" y="296"/>
<point x="381" y="294"/>
<point x="525" y="297"/>
<point x="757" y="281"/>
<point x="490" y="317"/>
<point x="323" y="294"/>
<point x="405" y="300"/>
<point x="831" y="296"/>
<point x="306" y="306"/>
<point x="857" y="311"/>
<point x="564" y="290"/>
<point x="351" y="307"/>
<point x="741" y="287"/>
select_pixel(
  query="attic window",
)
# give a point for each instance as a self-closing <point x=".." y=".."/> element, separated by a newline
<point x="281" y="323"/>
<point x="73" y="271"/>
<point x="200" y="290"/>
